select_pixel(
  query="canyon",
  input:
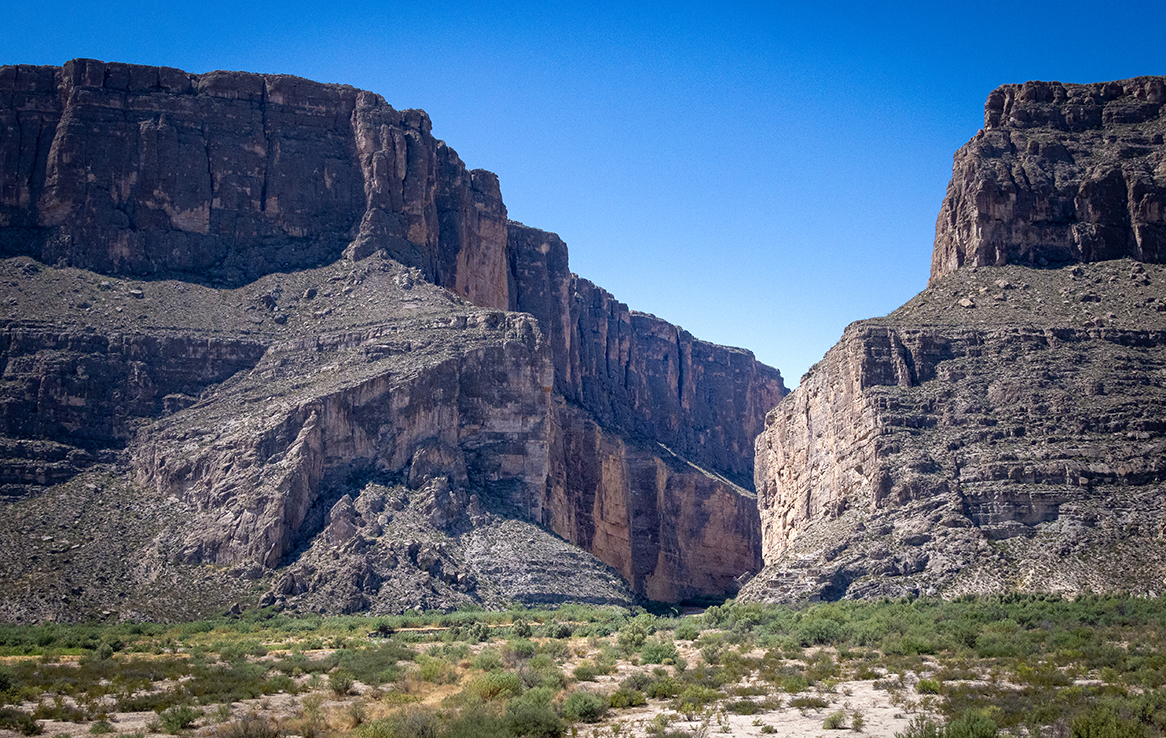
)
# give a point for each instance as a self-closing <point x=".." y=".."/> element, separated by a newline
<point x="307" y="343"/>
<point x="268" y="342"/>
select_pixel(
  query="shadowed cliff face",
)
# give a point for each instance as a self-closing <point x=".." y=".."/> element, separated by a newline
<point x="216" y="296"/>
<point x="1003" y="430"/>
<point x="1059" y="174"/>
<point x="227" y="176"/>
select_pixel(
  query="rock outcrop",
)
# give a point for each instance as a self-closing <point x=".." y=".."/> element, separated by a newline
<point x="220" y="293"/>
<point x="1061" y="173"/>
<point x="224" y="177"/>
<point x="1003" y="430"/>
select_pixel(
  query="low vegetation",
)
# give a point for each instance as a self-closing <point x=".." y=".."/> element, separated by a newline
<point x="976" y="667"/>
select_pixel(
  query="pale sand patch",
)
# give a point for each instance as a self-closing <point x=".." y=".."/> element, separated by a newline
<point x="882" y="719"/>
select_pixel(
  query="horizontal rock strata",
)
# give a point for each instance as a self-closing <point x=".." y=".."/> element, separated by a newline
<point x="1060" y="173"/>
<point x="227" y="176"/>
<point x="1016" y="443"/>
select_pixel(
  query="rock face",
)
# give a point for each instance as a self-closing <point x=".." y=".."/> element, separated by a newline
<point x="225" y="177"/>
<point x="674" y="531"/>
<point x="1004" y="429"/>
<point x="638" y="374"/>
<point x="650" y="452"/>
<point x="1061" y="173"/>
<point x="292" y="400"/>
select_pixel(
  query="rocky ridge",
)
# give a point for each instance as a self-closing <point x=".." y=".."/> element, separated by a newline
<point x="267" y="351"/>
<point x="1002" y="430"/>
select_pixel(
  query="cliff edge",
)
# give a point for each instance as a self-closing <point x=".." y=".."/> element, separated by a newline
<point x="1060" y="174"/>
<point x="1002" y="430"/>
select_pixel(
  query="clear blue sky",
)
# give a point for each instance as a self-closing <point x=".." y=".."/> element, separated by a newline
<point x="759" y="173"/>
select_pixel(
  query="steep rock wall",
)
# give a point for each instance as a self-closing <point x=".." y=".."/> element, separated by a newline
<point x="227" y="176"/>
<point x="1060" y="173"/>
<point x="674" y="531"/>
<point x="651" y="456"/>
<point x="69" y="399"/>
<point x="476" y="415"/>
<point x="638" y="374"/>
<point x="994" y="433"/>
<point x="201" y="183"/>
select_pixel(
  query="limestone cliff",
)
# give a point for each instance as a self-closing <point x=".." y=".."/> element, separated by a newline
<point x="638" y="374"/>
<point x="1003" y="430"/>
<point x="224" y="177"/>
<point x="217" y="301"/>
<point x="1061" y="173"/>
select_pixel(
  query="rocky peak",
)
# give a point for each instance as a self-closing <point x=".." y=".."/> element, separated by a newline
<point x="1060" y="173"/>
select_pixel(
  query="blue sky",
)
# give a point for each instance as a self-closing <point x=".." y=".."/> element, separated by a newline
<point x="759" y="173"/>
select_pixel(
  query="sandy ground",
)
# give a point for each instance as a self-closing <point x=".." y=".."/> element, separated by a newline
<point x="881" y="718"/>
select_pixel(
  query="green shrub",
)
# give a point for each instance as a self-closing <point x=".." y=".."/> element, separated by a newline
<point x="636" y="681"/>
<point x="282" y="683"/>
<point x="530" y="719"/>
<point x="475" y="722"/>
<point x="584" y="706"/>
<point x="835" y="721"/>
<point x="101" y="727"/>
<point x="698" y="695"/>
<point x="1103" y="722"/>
<point x="179" y="717"/>
<point x="808" y="703"/>
<point x="585" y="672"/>
<point x="340" y="682"/>
<point x="744" y="707"/>
<point x="687" y="631"/>
<point x="663" y="687"/>
<point x="656" y="650"/>
<point x="558" y="630"/>
<point x="920" y="726"/>
<point x="794" y="683"/>
<point x="623" y="698"/>
<point x="20" y="721"/>
<point x="857" y="721"/>
<point x="521" y="629"/>
<point x="818" y="631"/>
<point x="488" y="660"/>
<point x="975" y="724"/>
<point x="409" y="722"/>
<point x="478" y="632"/>
<point x="927" y="686"/>
<point x="554" y="649"/>
<point x="518" y="649"/>
<point x="496" y="684"/>
<point x="631" y="637"/>
<point x="437" y="671"/>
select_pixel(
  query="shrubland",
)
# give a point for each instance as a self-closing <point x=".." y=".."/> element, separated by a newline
<point x="1025" y="665"/>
